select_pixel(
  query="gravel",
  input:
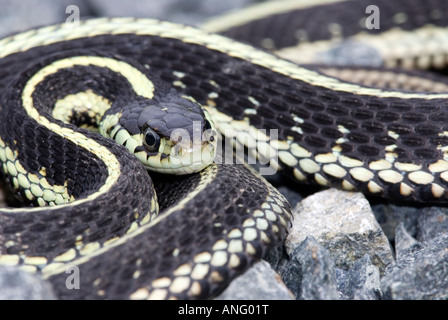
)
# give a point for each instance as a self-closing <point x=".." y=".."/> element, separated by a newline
<point x="420" y="271"/>
<point x="261" y="282"/>
<point x="337" y="250"/>
<point x="310" y="272"/>
<point x="360" y="282"/>
<point x="349" y="231"/>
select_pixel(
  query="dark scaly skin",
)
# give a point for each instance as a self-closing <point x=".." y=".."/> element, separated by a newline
<point x="194" y="229"/>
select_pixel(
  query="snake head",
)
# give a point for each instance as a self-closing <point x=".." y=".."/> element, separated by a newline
<point x="173" y="134"/>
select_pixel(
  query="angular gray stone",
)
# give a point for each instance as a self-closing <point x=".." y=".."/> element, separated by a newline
<point x="404" y="242"/>
<point x="390" y="216"/>
<point x="361" y="282"/>
<point x="16" y="284"/>
<point x="431" y="222"/>
<point x="292" y="276"/>
<point x="260" y="282"/>
<point x="419" y="274"/>
<point x="344" y="224"/>
<point x="310" y="273"/>
<point x="277" y="257"/>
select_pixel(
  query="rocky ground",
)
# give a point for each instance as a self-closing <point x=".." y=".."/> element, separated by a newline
<point x="341" y="245"/>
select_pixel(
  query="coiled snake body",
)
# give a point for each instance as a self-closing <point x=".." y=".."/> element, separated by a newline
<point x="98" y="210"/>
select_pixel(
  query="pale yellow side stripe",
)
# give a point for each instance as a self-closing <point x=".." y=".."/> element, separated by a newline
<point x="187" y="34"/>
<point x="207" y="176"/>
<point x="140" y="83"/>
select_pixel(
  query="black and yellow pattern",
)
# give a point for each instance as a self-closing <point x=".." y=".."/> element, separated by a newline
<point x="100" y="211"/>
<point x="97" y="207"/>
<point x="405" y="33"/>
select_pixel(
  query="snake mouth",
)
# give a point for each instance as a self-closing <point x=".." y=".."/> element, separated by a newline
<point x="180" y="159"/>
<point x="185" y="150"/>
<point x="193" y="159"/>
<point x="173" y="155"/>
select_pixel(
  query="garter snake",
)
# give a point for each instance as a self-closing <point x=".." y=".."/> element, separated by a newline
<point x="99" y="208"/>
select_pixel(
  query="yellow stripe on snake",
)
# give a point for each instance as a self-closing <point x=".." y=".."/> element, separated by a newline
<point x="86" y="110"/>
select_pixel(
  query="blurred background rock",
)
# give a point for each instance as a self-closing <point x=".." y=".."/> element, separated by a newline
<point x="19" y="15"/>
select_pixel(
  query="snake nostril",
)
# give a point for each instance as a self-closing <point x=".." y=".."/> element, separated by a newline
<point x="207" y="125"/>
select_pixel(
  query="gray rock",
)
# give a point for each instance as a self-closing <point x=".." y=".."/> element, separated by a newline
<point x="404" y="242"/>
<point x="344" y="224"/>
<point x="431" y="222"/>
<point x="292" y="276"/>
<point x="361" y="282"/>
<point x="310" y="274"/>
<point x="419" y="274"/>
<point x="390" y="216"/>
<point x="16" y="284"/>
<point x="260" y="282"/>
<point x="277" y="257"/>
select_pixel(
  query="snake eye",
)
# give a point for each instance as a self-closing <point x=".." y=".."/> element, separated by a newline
<point x="152" y="140"/>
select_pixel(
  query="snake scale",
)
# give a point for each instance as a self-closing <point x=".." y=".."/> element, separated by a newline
<point x="136" y="81"/>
